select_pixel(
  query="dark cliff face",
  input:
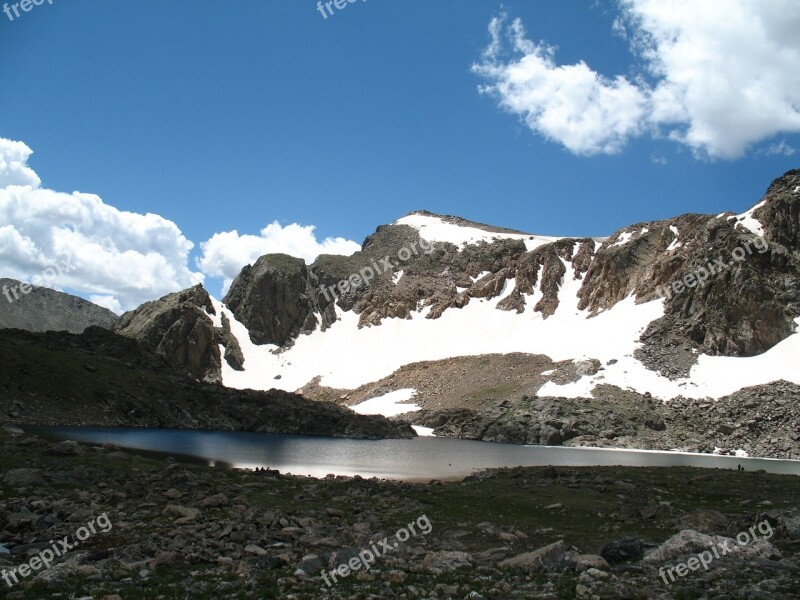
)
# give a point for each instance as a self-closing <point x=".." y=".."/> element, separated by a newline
<point x="746" y="302"/>
<point x="780" y="213"/>
<point x="178" y="328"/>
<point x="271" y="298"/>
<point x="741" y="308"/>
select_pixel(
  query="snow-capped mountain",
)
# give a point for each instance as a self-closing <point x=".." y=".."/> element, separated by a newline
<point x="695" y="306"/>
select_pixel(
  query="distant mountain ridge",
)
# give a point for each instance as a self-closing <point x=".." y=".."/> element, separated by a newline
<point x="43" y="309"/>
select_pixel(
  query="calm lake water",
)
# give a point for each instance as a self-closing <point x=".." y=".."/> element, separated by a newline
<point x="420" y="459"/>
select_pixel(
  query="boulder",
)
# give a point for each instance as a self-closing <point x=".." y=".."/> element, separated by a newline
<point x="66" y="448"/>
<point x="24" y="477"/>
<point x="546" y="558"/>
<point x="704" y="521"/>
<point x="446" y="561"/>
<point x="690" y="542"/>
<point x="626" y="549"/>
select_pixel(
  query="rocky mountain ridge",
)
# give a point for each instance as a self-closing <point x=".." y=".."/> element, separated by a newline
<point x="33" y="308"/>
<point x="742" y="308"/>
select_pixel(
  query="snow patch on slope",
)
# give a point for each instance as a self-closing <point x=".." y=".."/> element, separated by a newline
<point x="345" y="356"/>
<point x="627" y="236"/>
<point x="434" y="229"/>
<point x="423" y="431"/>
<point x="388" y="405"/>
<point x="749" y="222"/>
<point x="712" y="376"/>
<point x="623" y="239"/>
<point x="674" y="244"/>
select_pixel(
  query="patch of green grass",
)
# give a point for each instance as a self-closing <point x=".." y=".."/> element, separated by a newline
<point x="497" y="392"/>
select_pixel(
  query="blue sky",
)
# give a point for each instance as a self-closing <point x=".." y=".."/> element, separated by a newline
<point x="229" y="116"/>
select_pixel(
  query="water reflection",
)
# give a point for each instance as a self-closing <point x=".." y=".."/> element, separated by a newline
<point x="419" y="459"/>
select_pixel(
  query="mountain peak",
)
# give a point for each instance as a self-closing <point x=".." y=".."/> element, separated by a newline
<point x="456" y="220"/>
<point x="462" y="232"/>
<point x="789" y="182"/>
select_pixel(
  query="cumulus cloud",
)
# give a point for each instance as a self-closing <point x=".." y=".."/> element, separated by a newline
<point x="717" y="76"/>
<point x="224" y="254"/>
<point x="109" y="302"/>
<point x="14" y="169"/>
<point x="120" y="258"/>
<point x="779" y="149"/>
<point x="570" y="104"/>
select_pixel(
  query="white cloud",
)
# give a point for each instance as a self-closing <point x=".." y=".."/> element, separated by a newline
<point x="224" y="254"/>
<point x="725" y="75"/>
<point x="109" y="302"/>
<point x="729" y="70"/>
<point x="618" y="27"/>
<point x="778" y="149"/>
<point x="119" y="257"/>
<point x="13" y="165"/>
<point x="571" y="104"/>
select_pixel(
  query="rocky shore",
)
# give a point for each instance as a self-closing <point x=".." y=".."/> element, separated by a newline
<point x="763" y="421"/>
<point x="190" y="531"/>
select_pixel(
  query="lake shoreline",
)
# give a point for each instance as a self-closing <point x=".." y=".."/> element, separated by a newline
<point x="419" y="459"/>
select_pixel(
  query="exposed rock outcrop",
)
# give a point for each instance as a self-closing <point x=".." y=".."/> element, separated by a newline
<point x="233" y="350"/>
<point x="780" y="211"/>
<point x="761" y="420"/>
<point x="549" y="421"/>
<point x="271" y="298"/>
<point x="178" y="327"/>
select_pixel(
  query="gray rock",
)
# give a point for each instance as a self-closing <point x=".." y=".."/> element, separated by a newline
<point x="66" y="448"/>
<point x="271" y="299"/>
<point x="447" y="560"/>
<point x="311" y="565"/>
<point x="704" y="521"/>
<point x="690" y="542"/>
<point x="626" y="549"/>
<point x="24" y="477"/>
<point x="542" y="559"/>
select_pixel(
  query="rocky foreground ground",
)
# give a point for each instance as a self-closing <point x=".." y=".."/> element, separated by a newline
<point x="181" y="530"/>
